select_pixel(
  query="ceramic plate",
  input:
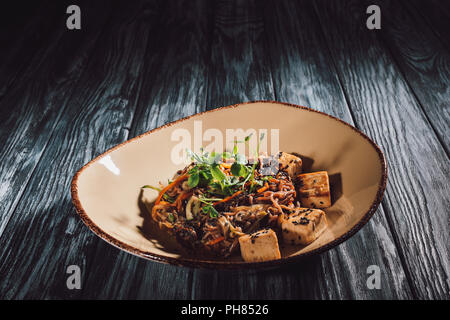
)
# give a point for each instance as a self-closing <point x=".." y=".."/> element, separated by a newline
<point x="107" y="191"/>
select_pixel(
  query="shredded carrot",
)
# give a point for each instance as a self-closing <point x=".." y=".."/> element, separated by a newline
<point x="226" y="165"/>
<point x="180" y="198"/>
<point x="214" y="241"/>
<point x="169" y="186"/>
<point x="228" y="198"/>
<point x="266" y="186"/>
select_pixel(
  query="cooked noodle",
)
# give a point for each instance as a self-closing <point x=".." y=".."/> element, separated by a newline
<point x="243" y="212"/>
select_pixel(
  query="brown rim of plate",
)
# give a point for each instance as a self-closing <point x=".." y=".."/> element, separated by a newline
<point x="212" y="264"/>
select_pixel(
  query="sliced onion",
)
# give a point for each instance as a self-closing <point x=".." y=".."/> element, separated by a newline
<point x="189" y="215"/>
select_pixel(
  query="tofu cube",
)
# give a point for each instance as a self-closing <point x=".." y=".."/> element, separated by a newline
<point x="290" y="163"/>
<point x="314" y="190"/>
<point x="303" y="226"/>
<point x="260" y="246"/>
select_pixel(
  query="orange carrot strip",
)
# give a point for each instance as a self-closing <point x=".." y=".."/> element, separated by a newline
<point x="266" y="186"/>
<point x="180" y="199"/>
<point x="214" y="241"/>
<point x="226" y="165"/>
<point x="228" y="198"/>
<point x="173" y="184"/>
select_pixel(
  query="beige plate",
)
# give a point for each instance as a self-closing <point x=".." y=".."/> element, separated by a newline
<point x="106" y="191"/>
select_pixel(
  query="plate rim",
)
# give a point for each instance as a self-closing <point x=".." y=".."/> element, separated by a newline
<point x="219" y="264"/>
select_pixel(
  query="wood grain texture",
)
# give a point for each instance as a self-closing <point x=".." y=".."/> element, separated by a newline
<point x="134" y="67"/>
<point x="416" y="199"/>
<point x="176" y="73"/>
<point x="436" y="13"/>
<point x="15" y="17"/>
<point x="28" y="35"/>
<point x="177" y="66"/>
<point x="47" y="231"/>
<point x="29" y="112"/>
<point x="240" y="69"/>
<point x="295" y="66"/>
<point x="304" y="73"/>
<point x="424" y="62"/>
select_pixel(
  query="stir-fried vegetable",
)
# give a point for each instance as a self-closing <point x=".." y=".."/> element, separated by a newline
<point x="221" y="197"/>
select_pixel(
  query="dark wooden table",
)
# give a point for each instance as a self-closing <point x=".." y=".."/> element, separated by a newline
<point x="66" y="96"/>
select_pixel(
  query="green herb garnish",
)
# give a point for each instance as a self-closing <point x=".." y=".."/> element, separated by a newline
<point x="165" y="196"/>
<point x="209" y="209"/>
<point x="208" y="174"/>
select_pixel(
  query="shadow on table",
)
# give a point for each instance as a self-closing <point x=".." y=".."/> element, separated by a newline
<point x="294" y="280"/>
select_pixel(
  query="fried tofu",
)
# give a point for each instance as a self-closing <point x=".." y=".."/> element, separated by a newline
<point x="290" y="163"/>
<point x="314" y="190"/>
<point x="303" y="226"/>
<point x="260" y="246"/>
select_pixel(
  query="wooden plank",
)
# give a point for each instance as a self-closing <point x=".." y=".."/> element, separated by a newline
<point x="110" y="273"/>
<point x="240" y="69"/>
<point x="26" y="34"/>
<point x="45" y="228"/>
<point x="175" y="86"/>
<point x="30" y="111"/>
<point x="14" y="16"/>
<point x="424" y="62"/>
<point x="305" y="74"/>
<point x="416" y="200"/>
<point x="177" y="66"/>
<point x="289" y="39"/>
<point x="436" y="14"/>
